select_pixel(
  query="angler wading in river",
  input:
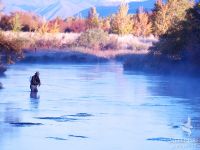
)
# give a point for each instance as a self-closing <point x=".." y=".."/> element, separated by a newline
<point x="35" y="82"/>
<point x="1" y="85"/>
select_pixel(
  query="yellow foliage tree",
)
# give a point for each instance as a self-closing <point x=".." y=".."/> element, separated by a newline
<point x="54" y="28"/>
<point x="121" y="22"/>
<point x="161" y="19"/>
<point x="44" y="28"/>
<point x="105" y="24"/>
<point x="16" y="24"/>
<point x="141" y="23"/>
<point x="167" y="15"/>
<point x="93" y="19"/>
<point x="178" y="9"/>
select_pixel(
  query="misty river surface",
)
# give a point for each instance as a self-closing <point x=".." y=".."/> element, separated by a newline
<point x="97" y="107"/>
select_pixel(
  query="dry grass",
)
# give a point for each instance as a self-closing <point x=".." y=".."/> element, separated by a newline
<point x="116" y="45"/>
<point x="109" y="54"/>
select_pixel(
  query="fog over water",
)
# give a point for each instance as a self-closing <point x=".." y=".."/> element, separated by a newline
<point x="97" y="107"/>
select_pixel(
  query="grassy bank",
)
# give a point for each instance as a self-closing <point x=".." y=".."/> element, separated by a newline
<point x="2" y="69"/>
<point x="161" y="65"/>
<point x="69" y="40"/>
<point x="75" y="55"/>
<point x="66" y="46"/>
<point x="177" y="51"/>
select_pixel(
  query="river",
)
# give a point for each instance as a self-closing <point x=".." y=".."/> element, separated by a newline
<point x="97" y="107"/>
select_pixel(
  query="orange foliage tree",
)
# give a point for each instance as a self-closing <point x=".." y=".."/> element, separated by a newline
<point x="54" y="26"/>
<point x="105" y="24"/>
<point x="141" y="23"/>
<point x="5" y="23"/>
<point x="30" y="21"/>
<point x="76" y="25"/>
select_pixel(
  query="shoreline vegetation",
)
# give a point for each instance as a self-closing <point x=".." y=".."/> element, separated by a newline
<point x="69" y="47"/>
<point x="165" y="40"/>
<point x="67" y="44"/>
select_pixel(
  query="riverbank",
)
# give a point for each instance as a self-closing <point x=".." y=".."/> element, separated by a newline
<point x="76" y="55"/>
<point x="131" y="51"/>
<point x="63" y="41"/>
<point x="76" y="99"/>
<point x="2" y="69"/>
<point x="73" y="47"/>
<point x="161" y="65"/>
<point x="34" y="47"/>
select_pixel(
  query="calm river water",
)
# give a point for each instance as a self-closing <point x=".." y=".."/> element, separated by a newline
<point x="97" y="107"/>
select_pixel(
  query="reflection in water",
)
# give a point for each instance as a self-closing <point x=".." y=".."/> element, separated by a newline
<point x="1" y="85"/>
<point x="34" y="95"/>
<point x="185" y="93"/>
<point x="179" y="87"/>
<point x="34" y="100"/>
<point x="186" y="127"/>
<point x="11" y="115"/>
<point x="114" y="109"/>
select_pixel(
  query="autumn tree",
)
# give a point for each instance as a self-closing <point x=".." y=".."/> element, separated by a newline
<point x="75" y="25"/>
<point x="93" y="19"/>
<point x="43" y="28"/>
<point x="166" y="15"/>
<point x="68" y="24"/>
<point x="141" y="23"/>
<point x="183" y="39"/>
<point x="6" y="23"/>
<point x="29" y="21"/>
<point x="121" y="22"/>
<point x="54" y="27"/>
<point x="11" y="48"/>
<point x="105" y="24"/>
<point x="61" y="24"/>
<point x="16" y="24"/>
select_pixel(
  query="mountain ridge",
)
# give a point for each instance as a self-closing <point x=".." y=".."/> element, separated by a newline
<point x="51" y="9"/>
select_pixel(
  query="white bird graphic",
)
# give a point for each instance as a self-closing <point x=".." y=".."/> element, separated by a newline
<point x="186" y="127"/>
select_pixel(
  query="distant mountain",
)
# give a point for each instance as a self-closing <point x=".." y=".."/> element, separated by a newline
<point x="64" y="8"/>
<point x="104" y="11"/>
<point x="47" y="8"/>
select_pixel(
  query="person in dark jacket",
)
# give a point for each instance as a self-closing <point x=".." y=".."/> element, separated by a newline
<point x="35" y="82"/>
<point x="1" y="85"/>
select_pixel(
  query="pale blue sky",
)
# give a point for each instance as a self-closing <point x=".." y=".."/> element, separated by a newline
<point x="62" y="8"/>
<point x="94" y="2"/>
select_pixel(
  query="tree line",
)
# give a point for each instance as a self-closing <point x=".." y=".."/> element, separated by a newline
<point x="175" y="22"/>
<point x="143" y="23"/>
<point x="181" y="40"/>
<point x="177" y="50"/>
